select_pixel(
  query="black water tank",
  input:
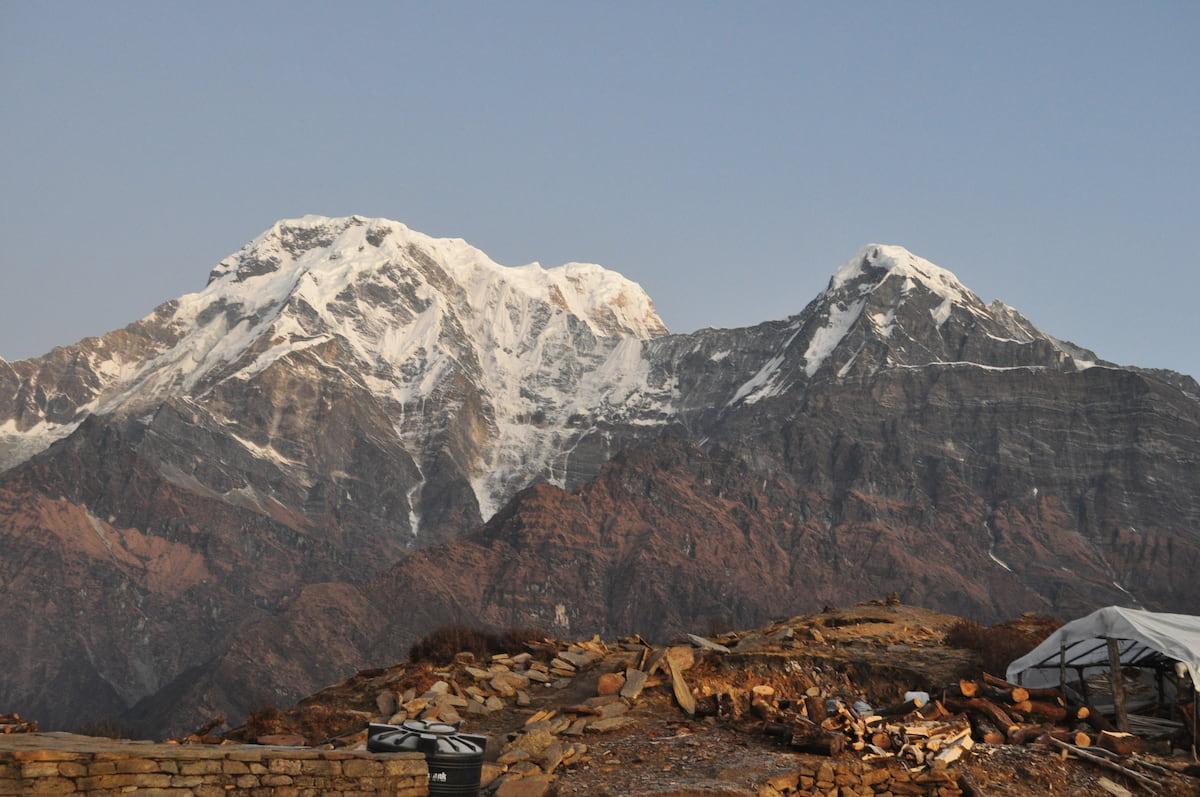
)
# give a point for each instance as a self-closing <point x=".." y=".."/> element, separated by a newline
<point x="455" y="759"/>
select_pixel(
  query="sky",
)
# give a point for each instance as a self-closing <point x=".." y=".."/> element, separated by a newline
<point x="727" y="156"/>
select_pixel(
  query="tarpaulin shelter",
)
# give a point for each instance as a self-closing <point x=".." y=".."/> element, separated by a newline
<point x="1113" y="639"/>
<point x="1144" y="639"/>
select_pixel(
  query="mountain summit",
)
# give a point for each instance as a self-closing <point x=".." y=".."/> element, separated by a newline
<point x="248" y="472"/>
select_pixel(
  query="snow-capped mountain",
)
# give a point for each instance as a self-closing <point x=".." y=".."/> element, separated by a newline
<point x="458" y="355"/>
<point x="507" y="370"/>
<point x="343" y="391"/>
<point x="887" y="308"/>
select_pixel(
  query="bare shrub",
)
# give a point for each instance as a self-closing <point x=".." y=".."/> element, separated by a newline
<point x="443" y="643"/>
<point x="996" y="646"/>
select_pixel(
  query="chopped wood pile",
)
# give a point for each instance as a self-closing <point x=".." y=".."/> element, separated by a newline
<point x="12" y="723"/>
<point x="932" y="735"/>
<point x="916" y="734"/>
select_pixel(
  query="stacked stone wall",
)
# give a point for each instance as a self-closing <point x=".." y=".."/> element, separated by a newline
<point x="851" y="778"/>
<point x="65" y="764"/>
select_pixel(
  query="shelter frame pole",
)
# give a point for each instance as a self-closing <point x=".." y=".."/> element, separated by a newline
<point x="1118" y="684"/>
<point x="1062" y="663"/>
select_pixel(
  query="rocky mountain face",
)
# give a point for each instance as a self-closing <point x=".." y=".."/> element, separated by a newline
<point x="283" y="477"/>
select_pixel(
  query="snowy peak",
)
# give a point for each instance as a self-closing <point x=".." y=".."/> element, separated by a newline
<point x="332" y="253"/>
<point x="447" y="350"/>
<point x="888" y="308"/>
<point x="876" y="264"/>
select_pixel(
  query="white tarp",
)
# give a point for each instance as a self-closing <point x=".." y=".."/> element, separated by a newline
<point x="1140" y="635"/>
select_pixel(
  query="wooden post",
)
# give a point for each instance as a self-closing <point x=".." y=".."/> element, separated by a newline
<point x="1062" y="663"/>
<point x="1118" y="684"/>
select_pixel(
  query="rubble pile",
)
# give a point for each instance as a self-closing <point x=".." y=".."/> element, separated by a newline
<point x="12" y="723"/>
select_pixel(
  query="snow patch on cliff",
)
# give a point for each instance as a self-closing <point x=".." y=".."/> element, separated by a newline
<point x="827" y="338"/>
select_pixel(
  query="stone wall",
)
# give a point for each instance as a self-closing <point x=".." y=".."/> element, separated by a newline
<point x="852" y="778"/>
<point x="54" y="763"/>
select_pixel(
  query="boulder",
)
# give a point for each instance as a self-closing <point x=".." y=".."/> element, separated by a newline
<point x="707" y="644"/>
<point x="609" y="683"/>
<point x="635" y="681"/>
<point x="386" y="702"/>
<point x="535" y="786"/>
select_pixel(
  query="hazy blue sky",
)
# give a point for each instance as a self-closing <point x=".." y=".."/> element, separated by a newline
<point x="726" y="156"/>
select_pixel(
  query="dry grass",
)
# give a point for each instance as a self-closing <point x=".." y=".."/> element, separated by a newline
<point x="996" y="646"/>
<point x="442" y="644"/>
<point x="109" y="728"/>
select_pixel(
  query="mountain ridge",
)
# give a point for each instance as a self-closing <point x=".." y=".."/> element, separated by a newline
<point x="344" y="397"/>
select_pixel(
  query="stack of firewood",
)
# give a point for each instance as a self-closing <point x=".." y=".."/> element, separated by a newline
<point x="989" y="710"/>
<point x="915" y="734"/>
<point x="12" y="723"/>
<point x="1005" y="713"/>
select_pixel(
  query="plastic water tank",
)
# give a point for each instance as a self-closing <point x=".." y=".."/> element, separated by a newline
<point x="455" y="759"/>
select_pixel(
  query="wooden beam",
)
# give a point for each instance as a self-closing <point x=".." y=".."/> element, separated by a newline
<point x="1118" y="684"/>
<point x="1062" y="662"/>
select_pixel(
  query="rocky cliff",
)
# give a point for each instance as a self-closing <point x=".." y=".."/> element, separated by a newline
<point x="288" y="471"/>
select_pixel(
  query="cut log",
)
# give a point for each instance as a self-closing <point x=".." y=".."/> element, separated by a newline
<point x="815" y="707"/>
<point x="953" y="751"/>
<point x="968" y="688"/>
<point x="1003" y="694"/>
<point x="986" y="731"/>
<point x="778" y="729"/>
<point x="900" y="709"/>
<point x="1050" y="711"/>
<point x="986" y="708"/>
<point x="1025" y="734"/>
<point x="933" y="710"/>
<point x="1118" y="742"/>
<point x="1069" y="736"/>
<point x="810" y="738"/>
<point x="1098" y="721"/>
<point x="1042" y="693"/>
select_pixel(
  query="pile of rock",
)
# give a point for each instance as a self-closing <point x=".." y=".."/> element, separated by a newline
<point x="549" y="738"/>
<point x="12" y="723"/>
<point x="470" y="688"/>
